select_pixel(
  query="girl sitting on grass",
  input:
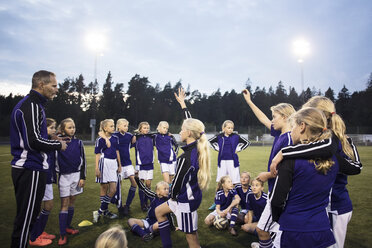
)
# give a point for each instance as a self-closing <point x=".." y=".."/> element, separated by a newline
<point x="226" y="201"/>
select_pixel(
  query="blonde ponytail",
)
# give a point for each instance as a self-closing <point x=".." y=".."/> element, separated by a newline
<point x="335" y="122"/>
<point x="316" y="123"/>
<point x="196" y="129"/>
<point x="204" y="175"/>
<point x="338" y="127"/>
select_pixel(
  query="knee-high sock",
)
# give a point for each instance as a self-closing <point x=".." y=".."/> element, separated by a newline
<point x="138" y="230"/>
<point x="116" y="199"/>
<point x="70" y="215"/>
<point x="164" y="230"/>
<point x="131" y="193"/>
<point x="39" y="225"/>
<point x="141" y="197"/>
<point x="234" y="215"/>
<point x="104" y="204"/>
<point x="63" y="215"/>
<point x="266" y="243"/>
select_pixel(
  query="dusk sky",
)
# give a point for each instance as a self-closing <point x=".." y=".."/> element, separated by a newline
<point x="209" y="44"/>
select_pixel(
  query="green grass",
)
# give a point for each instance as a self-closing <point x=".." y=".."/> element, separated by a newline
<point x="254" y="160"/>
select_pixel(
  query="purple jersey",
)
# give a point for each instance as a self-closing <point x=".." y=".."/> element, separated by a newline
<point x="280" y="141"/>
<point x="223" y="200"/>
<point x="164" y="145"/>
<point x="107" y="152"/>
<point x="256" y="205"/>
<point x="145" y="151"/>
<point x="125" y="143"/>
<point x="72" y="159"/>
<point x="243" y="195"/>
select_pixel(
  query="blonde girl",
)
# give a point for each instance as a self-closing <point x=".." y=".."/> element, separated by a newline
<point x="127" y="170"/>
<point x="226" y="200"/>
<point x="340" y="208"/>
<point x="192" y="176"/>
<point x="256" y="202"/>
<point x="164" y="143"/>
<point x="108" y="165"/>
<point x="280" y="130"/>
<point x="114" y="237"/>
<point x="145" y="228"/>
<point x="303" y="187"/>
<point x="242" y="189"/>
<point x="144" y="145"/>
<point x="228" y="143"/>
<point x="71" y="166"/>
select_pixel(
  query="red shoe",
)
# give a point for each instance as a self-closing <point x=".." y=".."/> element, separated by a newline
<point x="40" y="242"/>
<point x="62" y="240"/>
<point x="72" y="231"/>
<point x="46" y="235"/>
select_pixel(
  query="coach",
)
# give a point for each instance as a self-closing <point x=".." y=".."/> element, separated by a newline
<point x="29" y="144"/>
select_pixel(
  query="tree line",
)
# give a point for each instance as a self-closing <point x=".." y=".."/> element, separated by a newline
<point x="144" y="102"/>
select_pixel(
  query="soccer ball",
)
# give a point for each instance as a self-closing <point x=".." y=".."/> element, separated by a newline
<point x="220" y="222"/>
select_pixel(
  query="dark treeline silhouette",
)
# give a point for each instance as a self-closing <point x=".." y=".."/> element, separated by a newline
<point x="144" y="102"/>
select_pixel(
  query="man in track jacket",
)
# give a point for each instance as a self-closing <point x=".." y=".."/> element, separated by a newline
<point x="29" y="145"/>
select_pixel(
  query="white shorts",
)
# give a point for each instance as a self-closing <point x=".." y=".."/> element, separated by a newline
<point x="48" y="195"/>
<point x="267" y="224"/>
<point x="187" y="221"/>
<point x="108" y="169"/>
<point x="228" y="216"/>
<point x="244" y="211"/>
<point x="170" y="168"/>
<point x="146" y="174"/>
<point x="137" y="168"/>
<point x="68" y="184"/>
<point x="127" y="171"/>
<point x="145" y="223"/>
<point x="227" y="169"/>
<point x="339" y="224"/>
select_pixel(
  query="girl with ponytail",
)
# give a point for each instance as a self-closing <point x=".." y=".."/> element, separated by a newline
<point x="192" y="176"/>
<point x="303" y="186"/>
<point x="340" y="209"/>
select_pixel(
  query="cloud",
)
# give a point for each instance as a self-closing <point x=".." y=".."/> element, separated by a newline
<point x="13" y="87"/>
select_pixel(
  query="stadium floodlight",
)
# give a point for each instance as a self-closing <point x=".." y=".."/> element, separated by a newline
<point x="96" y="41"/>
<point x="301" y="48"/>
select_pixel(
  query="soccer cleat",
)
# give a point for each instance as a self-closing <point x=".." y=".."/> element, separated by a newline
<point x="233" y="231"/>
<point x="40" y="242"/>
<point x="96" y="216"/>
<point x="72" y="231"/>
<point x="110" y="215"/>
<point x="62" y="240"/>
<point x="147" y="237"/>
<point x="255" y="245"/>
<point x="212" y="207"/>
<point x="46" y="235"/>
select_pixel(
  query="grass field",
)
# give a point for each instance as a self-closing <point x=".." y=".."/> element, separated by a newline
<point x="254" y="160"/>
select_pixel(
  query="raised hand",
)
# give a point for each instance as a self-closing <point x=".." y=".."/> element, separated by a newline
<point x="247" y="95"/>
<point x="181" y="97"/>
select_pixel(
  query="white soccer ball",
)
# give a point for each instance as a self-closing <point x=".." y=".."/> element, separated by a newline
<point x="220" y="222"/>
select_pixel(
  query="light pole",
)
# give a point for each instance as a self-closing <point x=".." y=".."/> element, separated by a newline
<point x="96" y="42"/>
<point x="301" y="48"/>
